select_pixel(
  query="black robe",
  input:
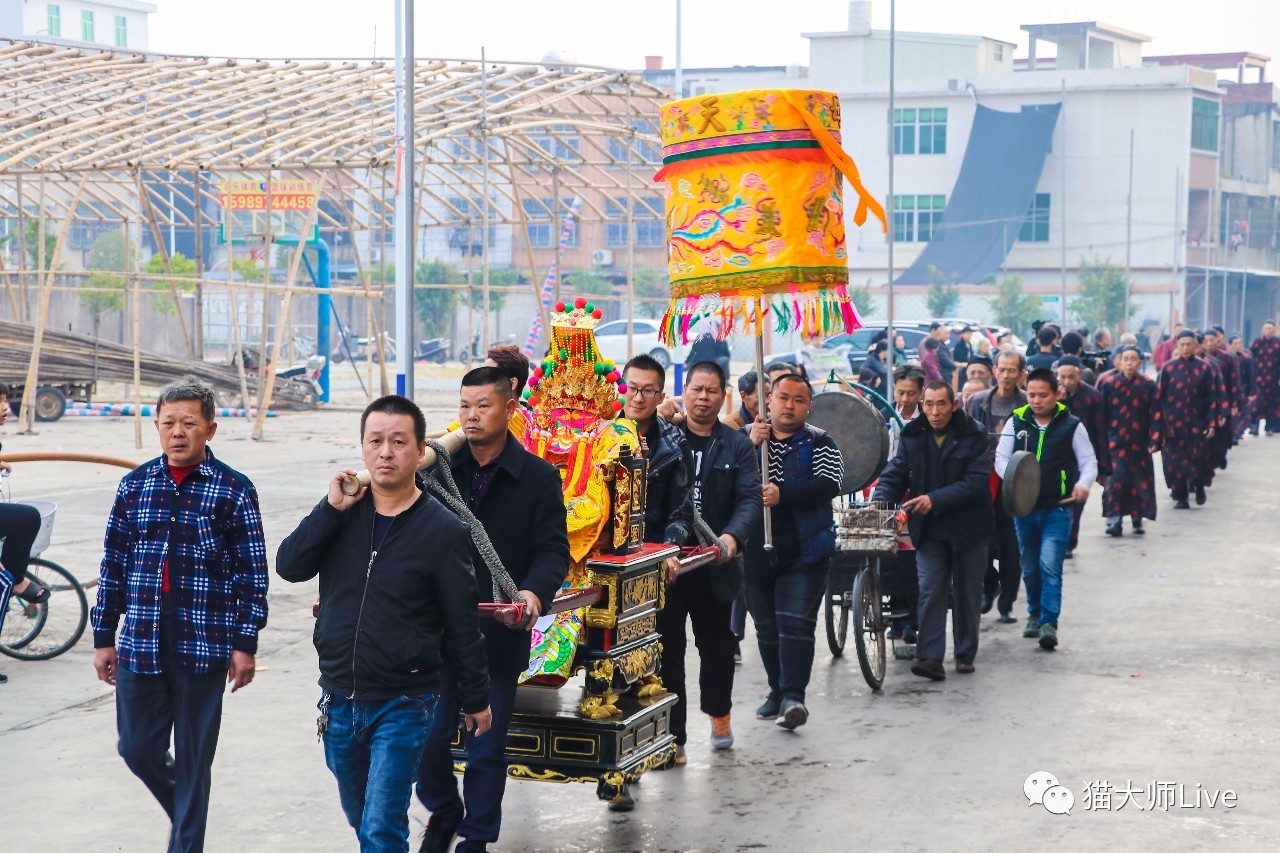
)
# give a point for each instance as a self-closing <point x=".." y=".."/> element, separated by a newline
<point x="1131" y="413"/>
<point x="1188" y="406"/>
<point x="1266" y="374"/>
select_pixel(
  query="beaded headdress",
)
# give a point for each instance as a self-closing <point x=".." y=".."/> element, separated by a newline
<point x="575" y="385"/>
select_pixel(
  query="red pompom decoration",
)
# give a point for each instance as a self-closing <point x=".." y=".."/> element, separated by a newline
<point x="613" y="376"/>
<point x="597" y="313"/>
<point x="533" y="401"/>
<point x="560" y="307"/>
<point x="539" y="372"/>
<point x="580" y="302"/>
<point x="617" y="405"/>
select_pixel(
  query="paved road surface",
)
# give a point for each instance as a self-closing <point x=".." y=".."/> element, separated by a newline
<point x="1166" y="674"/>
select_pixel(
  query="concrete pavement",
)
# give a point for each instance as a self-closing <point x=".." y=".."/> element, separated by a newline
<point x="1165" y="676"/>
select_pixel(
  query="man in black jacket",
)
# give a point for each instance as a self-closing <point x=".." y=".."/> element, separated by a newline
<point x="726" y="492"/>
<point x="942" y="461"/>
<point x="379" y="636"/>
<point x="516" y="497"/>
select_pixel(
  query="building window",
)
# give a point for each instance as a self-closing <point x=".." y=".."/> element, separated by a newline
<point x="922" y="131"/>
<point x="122" y="31"/>
<point x="916" y="217"/>
<point x="615" y="229"/>
<point x="651" y="230"/>
<point x="1035" y="228"/>
<point x="1204" y="124"/>
<point x="53" y="20"/>
<point x="86" y="26"/>
<point x="539" y="223"/>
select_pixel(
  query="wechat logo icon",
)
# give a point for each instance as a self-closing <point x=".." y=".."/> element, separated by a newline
<point x="1042" y="789"/>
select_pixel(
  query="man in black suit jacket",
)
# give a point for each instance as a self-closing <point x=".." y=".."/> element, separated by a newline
<point x="517" y="498"/>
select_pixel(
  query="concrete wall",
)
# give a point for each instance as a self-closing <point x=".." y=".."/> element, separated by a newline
<point x="1093" y="133"/>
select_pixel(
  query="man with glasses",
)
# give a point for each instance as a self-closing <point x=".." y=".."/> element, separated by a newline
<point x="668" y="511"/>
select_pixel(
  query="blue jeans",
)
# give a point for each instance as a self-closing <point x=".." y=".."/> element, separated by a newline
<point x="477" y="814"/>
<point x="783" y="599"/>
<point x="1043" y="537"/>
<point x="373" y="748"/>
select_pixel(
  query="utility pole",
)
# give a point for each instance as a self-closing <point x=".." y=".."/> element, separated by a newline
<point x="1128" y="241"/>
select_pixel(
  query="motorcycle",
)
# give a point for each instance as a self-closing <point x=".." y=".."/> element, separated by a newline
<point x="359" y="346"/>
<point x="434" y="349"/>
<point x="305" y="380"/>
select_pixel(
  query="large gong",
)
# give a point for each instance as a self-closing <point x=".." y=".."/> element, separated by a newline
<point x="1021" y="487"/>
<point x="859" y="432"/>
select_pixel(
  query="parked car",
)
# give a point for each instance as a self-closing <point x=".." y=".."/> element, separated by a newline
<point x="611" y="338"/>
<point x="850" y="349"/>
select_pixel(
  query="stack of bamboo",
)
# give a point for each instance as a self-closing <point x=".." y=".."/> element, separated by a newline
<point x="68" y="357"/>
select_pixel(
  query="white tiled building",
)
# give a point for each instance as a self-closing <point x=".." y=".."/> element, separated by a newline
<point x="106" y="23"/>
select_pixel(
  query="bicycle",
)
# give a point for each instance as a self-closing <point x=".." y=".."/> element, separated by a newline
<point x="46" y="630"/>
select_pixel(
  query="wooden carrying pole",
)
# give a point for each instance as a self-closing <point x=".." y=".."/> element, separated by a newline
<point x="268" y="365"/>
<point x="27" y="421"/>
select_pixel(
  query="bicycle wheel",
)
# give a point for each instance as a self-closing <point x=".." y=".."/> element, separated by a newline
<point x="22" y="622"/>
<point x="63" y="617"/>
<point x="868" y="637"/>
<point x="836" y="615"/>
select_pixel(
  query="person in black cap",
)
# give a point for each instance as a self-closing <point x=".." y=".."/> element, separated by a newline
<point x="982" y="368"/>
<point x="1086" y="404"/>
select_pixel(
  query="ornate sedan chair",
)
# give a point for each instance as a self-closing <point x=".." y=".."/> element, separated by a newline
<point x="603" y="624"/>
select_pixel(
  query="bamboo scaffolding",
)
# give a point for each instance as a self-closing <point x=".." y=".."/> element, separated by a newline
<point x="27" y="421"/>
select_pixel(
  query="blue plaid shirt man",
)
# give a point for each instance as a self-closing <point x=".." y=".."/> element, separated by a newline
<point x="210" y="531"/>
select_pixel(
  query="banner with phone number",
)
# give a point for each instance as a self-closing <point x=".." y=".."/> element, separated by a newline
<point x="253" y="195"/>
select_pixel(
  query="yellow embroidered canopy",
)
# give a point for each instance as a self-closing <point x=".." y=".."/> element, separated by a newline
<point x="755" y="211"/>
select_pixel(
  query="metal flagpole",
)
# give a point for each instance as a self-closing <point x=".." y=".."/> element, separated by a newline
<point x="404" y="197"/>
<point x="893" y="141"/>
<point x="762" y="404"/>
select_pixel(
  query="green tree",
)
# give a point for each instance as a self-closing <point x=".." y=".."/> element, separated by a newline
<point x="435" y="307"/>
<point x="587" y="283"/>
<point x="1102" y="293"/>
<point x="943" y="295"/>
<point x="652" y="283"/>
<point x="32" y="235"/>
<point x="863" y="299"/>
<point x="1012" y="307"/>
<point x="181" y="267"/>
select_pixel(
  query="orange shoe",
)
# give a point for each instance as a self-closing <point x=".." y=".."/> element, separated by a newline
<point x="721" y="734"/>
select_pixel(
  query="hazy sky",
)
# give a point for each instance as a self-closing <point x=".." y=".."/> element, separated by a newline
<point x="620" y="33"/>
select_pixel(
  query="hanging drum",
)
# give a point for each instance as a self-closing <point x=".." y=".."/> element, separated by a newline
<point x="858" y="430"/>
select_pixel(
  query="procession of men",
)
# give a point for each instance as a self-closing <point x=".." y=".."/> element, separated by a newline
<point x="393" y="560"/>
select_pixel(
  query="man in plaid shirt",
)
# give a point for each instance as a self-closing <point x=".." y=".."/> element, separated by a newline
<point x="185" y="563"/>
